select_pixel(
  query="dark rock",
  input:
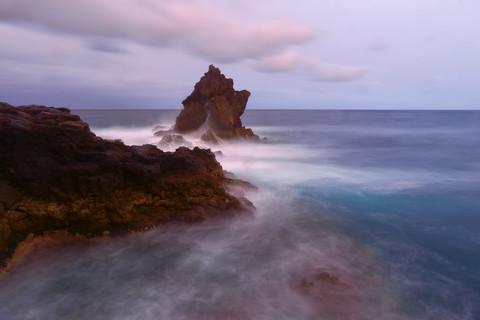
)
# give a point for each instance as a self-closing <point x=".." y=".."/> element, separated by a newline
<point x="160" y="128"/>
<point x="327" y="277"/>
<point x="215" y="106"/>
<point x="55" y="174"/>
<point x="174" y="140"/>
<point x="209" y="136"/>
<point x="8" y="195"/>
<point x="160" y="131"/>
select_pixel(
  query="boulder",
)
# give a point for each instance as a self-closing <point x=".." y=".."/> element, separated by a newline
<point x="171" y="140"/>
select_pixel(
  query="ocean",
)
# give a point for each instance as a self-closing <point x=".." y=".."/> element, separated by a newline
<point x="360" y="215"/>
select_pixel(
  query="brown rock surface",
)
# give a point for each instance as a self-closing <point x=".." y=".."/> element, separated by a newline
<point x="215" y="107"/>
<point x="55" y="174"/>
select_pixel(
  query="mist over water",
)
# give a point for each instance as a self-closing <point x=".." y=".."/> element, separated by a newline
<point x="360" y="215"/>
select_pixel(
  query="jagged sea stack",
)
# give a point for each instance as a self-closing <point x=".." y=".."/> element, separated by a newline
<point x="215" y="107"/>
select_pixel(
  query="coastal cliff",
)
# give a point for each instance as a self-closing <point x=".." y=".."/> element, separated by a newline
<point x="57" y="175"/>
<point x="215" y="107"/>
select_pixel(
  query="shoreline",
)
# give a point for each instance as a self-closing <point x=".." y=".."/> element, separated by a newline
<point x="58" y="175"/>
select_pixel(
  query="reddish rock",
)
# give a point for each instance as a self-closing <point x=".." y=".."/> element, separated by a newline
<point x="55" y="174"/>
<point x="215" y="107"/>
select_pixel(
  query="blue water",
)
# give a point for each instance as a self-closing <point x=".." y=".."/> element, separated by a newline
<point x="388" y="201"/>
<point x="422" y="217"/>
<point x="427" y="233"/>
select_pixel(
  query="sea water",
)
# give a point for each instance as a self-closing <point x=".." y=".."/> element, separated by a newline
<point x="360" y="215"/>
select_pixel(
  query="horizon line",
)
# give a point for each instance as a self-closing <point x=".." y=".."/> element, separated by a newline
<point x="278" y="109"/>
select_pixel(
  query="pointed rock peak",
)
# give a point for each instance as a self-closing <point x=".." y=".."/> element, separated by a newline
<point x="213" y="80"/>
<point x="213" y="69"/>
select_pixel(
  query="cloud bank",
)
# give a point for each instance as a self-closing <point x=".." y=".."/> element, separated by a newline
<point x="213" y="32"/>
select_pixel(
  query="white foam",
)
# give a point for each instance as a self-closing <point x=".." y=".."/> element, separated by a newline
<point x="129" y="135"/>
<point x="290" y="164"/>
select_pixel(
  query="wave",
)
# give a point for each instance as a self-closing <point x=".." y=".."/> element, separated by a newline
<point x="288" y="164"/>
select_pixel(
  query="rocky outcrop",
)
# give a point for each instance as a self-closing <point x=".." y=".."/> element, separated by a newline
<point x="55" y="174"/>
<point x="214" y="107"/>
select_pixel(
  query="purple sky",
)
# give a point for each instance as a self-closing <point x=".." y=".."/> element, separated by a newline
<point x="346" y="54"/>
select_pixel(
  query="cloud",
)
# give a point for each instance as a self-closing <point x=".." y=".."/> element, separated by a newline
<point x="378" y="46"/>
<point x="315" y="70"/>
<point x="204" y="28"/>
<point x="103" y="45"/>
<point x="287" y="61"/>
<point x="216" y="31"/>
<point x="43" y="68"/>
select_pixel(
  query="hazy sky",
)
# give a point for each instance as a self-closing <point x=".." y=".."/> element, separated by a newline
<point x="349" y="54"/>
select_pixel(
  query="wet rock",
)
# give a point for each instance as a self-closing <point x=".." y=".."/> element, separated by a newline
<point x="8" y="195"/>
<point x="216" y="107"/>
<point x="174" y="140"/>
<point x="210" y="136"/>
<point x="327" y="278"/>
<point x="55" y="174"/>
<point x="322" y="283"/>
<point x="336" y="297"/>
<point x="160" y="128"/>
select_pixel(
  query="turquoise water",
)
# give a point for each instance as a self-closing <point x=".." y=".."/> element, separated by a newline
<point x="386" y="201"/>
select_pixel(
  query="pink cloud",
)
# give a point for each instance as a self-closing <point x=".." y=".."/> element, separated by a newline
<point x="310" y="67"/>
<point x="279" y="63"/>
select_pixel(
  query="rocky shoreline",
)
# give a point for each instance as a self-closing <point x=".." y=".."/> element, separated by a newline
<point x="58" y="176"/>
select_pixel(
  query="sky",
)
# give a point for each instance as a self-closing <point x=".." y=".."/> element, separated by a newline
<point x="300" y="54"/>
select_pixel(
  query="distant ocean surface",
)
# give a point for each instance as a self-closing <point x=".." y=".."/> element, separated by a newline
<point x="360" y="215"/>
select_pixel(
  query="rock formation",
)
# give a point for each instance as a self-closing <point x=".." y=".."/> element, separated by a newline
<point x="55" y="174"/>
<point x="214" y="107"/>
